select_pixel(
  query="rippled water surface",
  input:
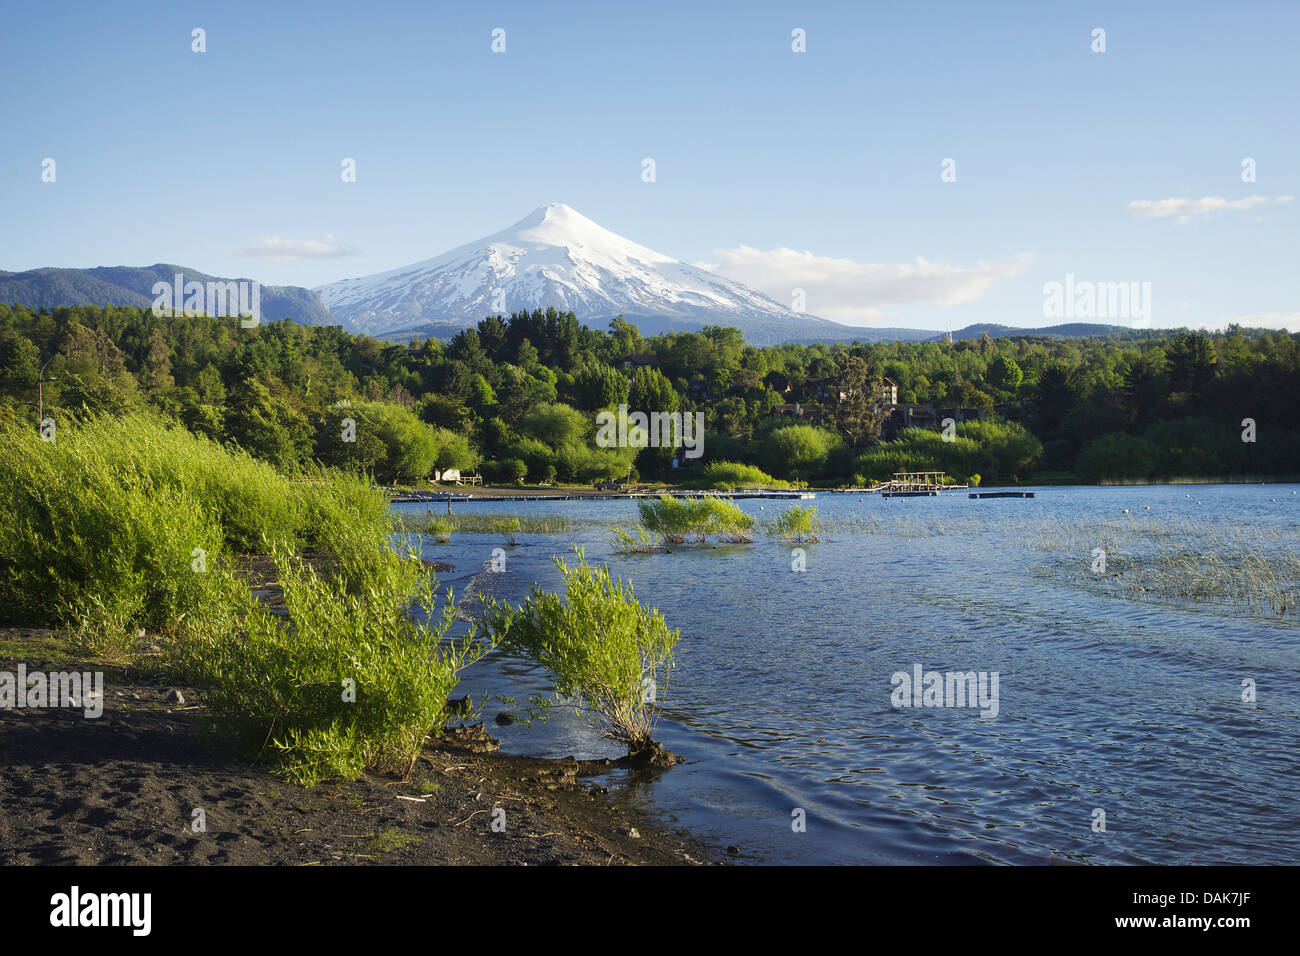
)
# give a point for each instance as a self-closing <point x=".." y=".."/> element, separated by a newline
<point x="780" y="700"/>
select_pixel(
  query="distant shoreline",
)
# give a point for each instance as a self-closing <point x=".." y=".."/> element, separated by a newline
<point x="438" y="494"/>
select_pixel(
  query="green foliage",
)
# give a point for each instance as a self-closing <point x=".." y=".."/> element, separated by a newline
<point x="798" y="452"/>
<point x="351" y="681"/>
<point x="722" y="475"/>
<point x="608" y="654"/>
<point x="678" y="520"/>
<point x="478" y="522"/>
<point x="121" y="524"/>
<point x="797" y="524"/>
<point x="280" y="390"/>
<point x="412" y="446"/>
<point x="506" y="471"/>
<point x="508" y="526"/>
<point x="1118" y="456"/>
<point x="1004" y="450"/>
<point x="1004" y="374"/>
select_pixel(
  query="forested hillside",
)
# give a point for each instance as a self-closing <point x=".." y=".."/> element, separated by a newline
<point x="516" y="397"/>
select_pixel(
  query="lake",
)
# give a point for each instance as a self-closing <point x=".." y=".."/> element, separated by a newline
<point x="781" y="696"/>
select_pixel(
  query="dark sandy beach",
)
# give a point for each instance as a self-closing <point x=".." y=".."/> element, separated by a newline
<point x="123" y="788"/>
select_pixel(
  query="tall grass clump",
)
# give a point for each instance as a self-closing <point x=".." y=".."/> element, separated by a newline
<point x="121" y="519"/>
<point x="797" y="524"/>
<point x="606" y="652"/>
<point x="677" y="521"/>
<point x="92" y="536"/>
<point x="722" y="475"/>
<point x="441" y="526"/>
<point x="508" y="526"/>
<point x="353" y="677"/>
<point x="129" y="523"/>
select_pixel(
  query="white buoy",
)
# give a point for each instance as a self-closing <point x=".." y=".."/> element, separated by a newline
<point x="1125" y="511"/>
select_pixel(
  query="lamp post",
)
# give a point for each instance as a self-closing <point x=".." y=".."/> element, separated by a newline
<point x="40" y="391"/>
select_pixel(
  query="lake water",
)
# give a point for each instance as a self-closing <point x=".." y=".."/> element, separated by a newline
<point x="781" y="696"/>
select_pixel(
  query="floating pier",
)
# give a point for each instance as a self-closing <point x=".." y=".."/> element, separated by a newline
<point x="917" y="484"/>
<point x="1003" y="494"/>
<point x="432" y="496"/>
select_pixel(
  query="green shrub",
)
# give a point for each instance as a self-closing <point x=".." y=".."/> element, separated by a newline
<point x="351" y="681"/>
<point x="1117" y="455"/>
<point x="798" y="452"/>
<point x="722" y="475"/>
<point x="130" y="523"/>
<point x="678" y="520"/>
<point x="999" y="449"/>
<point x="92" y="535"/>
<point x="508" y="527"/>
<point x="798" y="524"/>
<point x="606" y="652"/>
<point x="505" y="470"/>
<point x="440" y="527"/>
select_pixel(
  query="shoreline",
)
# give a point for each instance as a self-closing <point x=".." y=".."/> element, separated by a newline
<point x="123" y="788"/>
<point x="486" y="495"/>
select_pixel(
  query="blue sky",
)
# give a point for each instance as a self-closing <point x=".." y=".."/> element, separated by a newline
<point x="833" y="155"/>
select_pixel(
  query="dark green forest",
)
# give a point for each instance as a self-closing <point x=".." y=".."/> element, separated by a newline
<point x="515" y="398"/>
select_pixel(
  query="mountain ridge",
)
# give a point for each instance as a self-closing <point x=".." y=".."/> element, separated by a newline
<point x="49" y="287"/>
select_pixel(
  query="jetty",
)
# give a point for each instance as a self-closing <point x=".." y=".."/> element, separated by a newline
<point x="449" y="496"/>
<point x="917" y="484"/>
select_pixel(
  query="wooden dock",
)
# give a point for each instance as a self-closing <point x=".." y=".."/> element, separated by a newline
<point x="917" y="484"/>
<point x="1003" y="494"/>
<point x="422" y="496"/>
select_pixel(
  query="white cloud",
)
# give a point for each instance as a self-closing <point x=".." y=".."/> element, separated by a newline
<point x="855" y="292"/>
<point x="275" y="249"/>
<point x="1186" y="209"/>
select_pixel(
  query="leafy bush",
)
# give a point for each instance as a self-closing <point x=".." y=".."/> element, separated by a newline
<point x="440" y="527"/>
<point x="351" y="681"/>
<point x="798" y="452"/>
<point x="999" y="449"/>
<point x="676" y="521"/>
<point x="93" y="535"/>
<point x="729" y="474"/>
<point x="1117" y="455"/>
<point x="130" y="523"/>
<point x="505" y="470"/>
<point x="797" y="523"/>
<point x="605" y="651"/>
<point x="508" y="527"/>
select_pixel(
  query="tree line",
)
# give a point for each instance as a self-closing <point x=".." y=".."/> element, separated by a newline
<point x="515" y="397"/>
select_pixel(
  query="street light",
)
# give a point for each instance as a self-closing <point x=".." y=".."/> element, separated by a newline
<point x="40" y="391"/>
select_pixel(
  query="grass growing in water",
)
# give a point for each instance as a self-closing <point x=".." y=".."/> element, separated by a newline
<point x="1235" y="566"/>
<point x="797" y="524"/>
<point x="679" y="520"/>
<point x="606" y="652"/>
<point x="442" y="526"/>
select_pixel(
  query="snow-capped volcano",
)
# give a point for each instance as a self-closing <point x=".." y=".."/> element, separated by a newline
<point x="557" y="257"/>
